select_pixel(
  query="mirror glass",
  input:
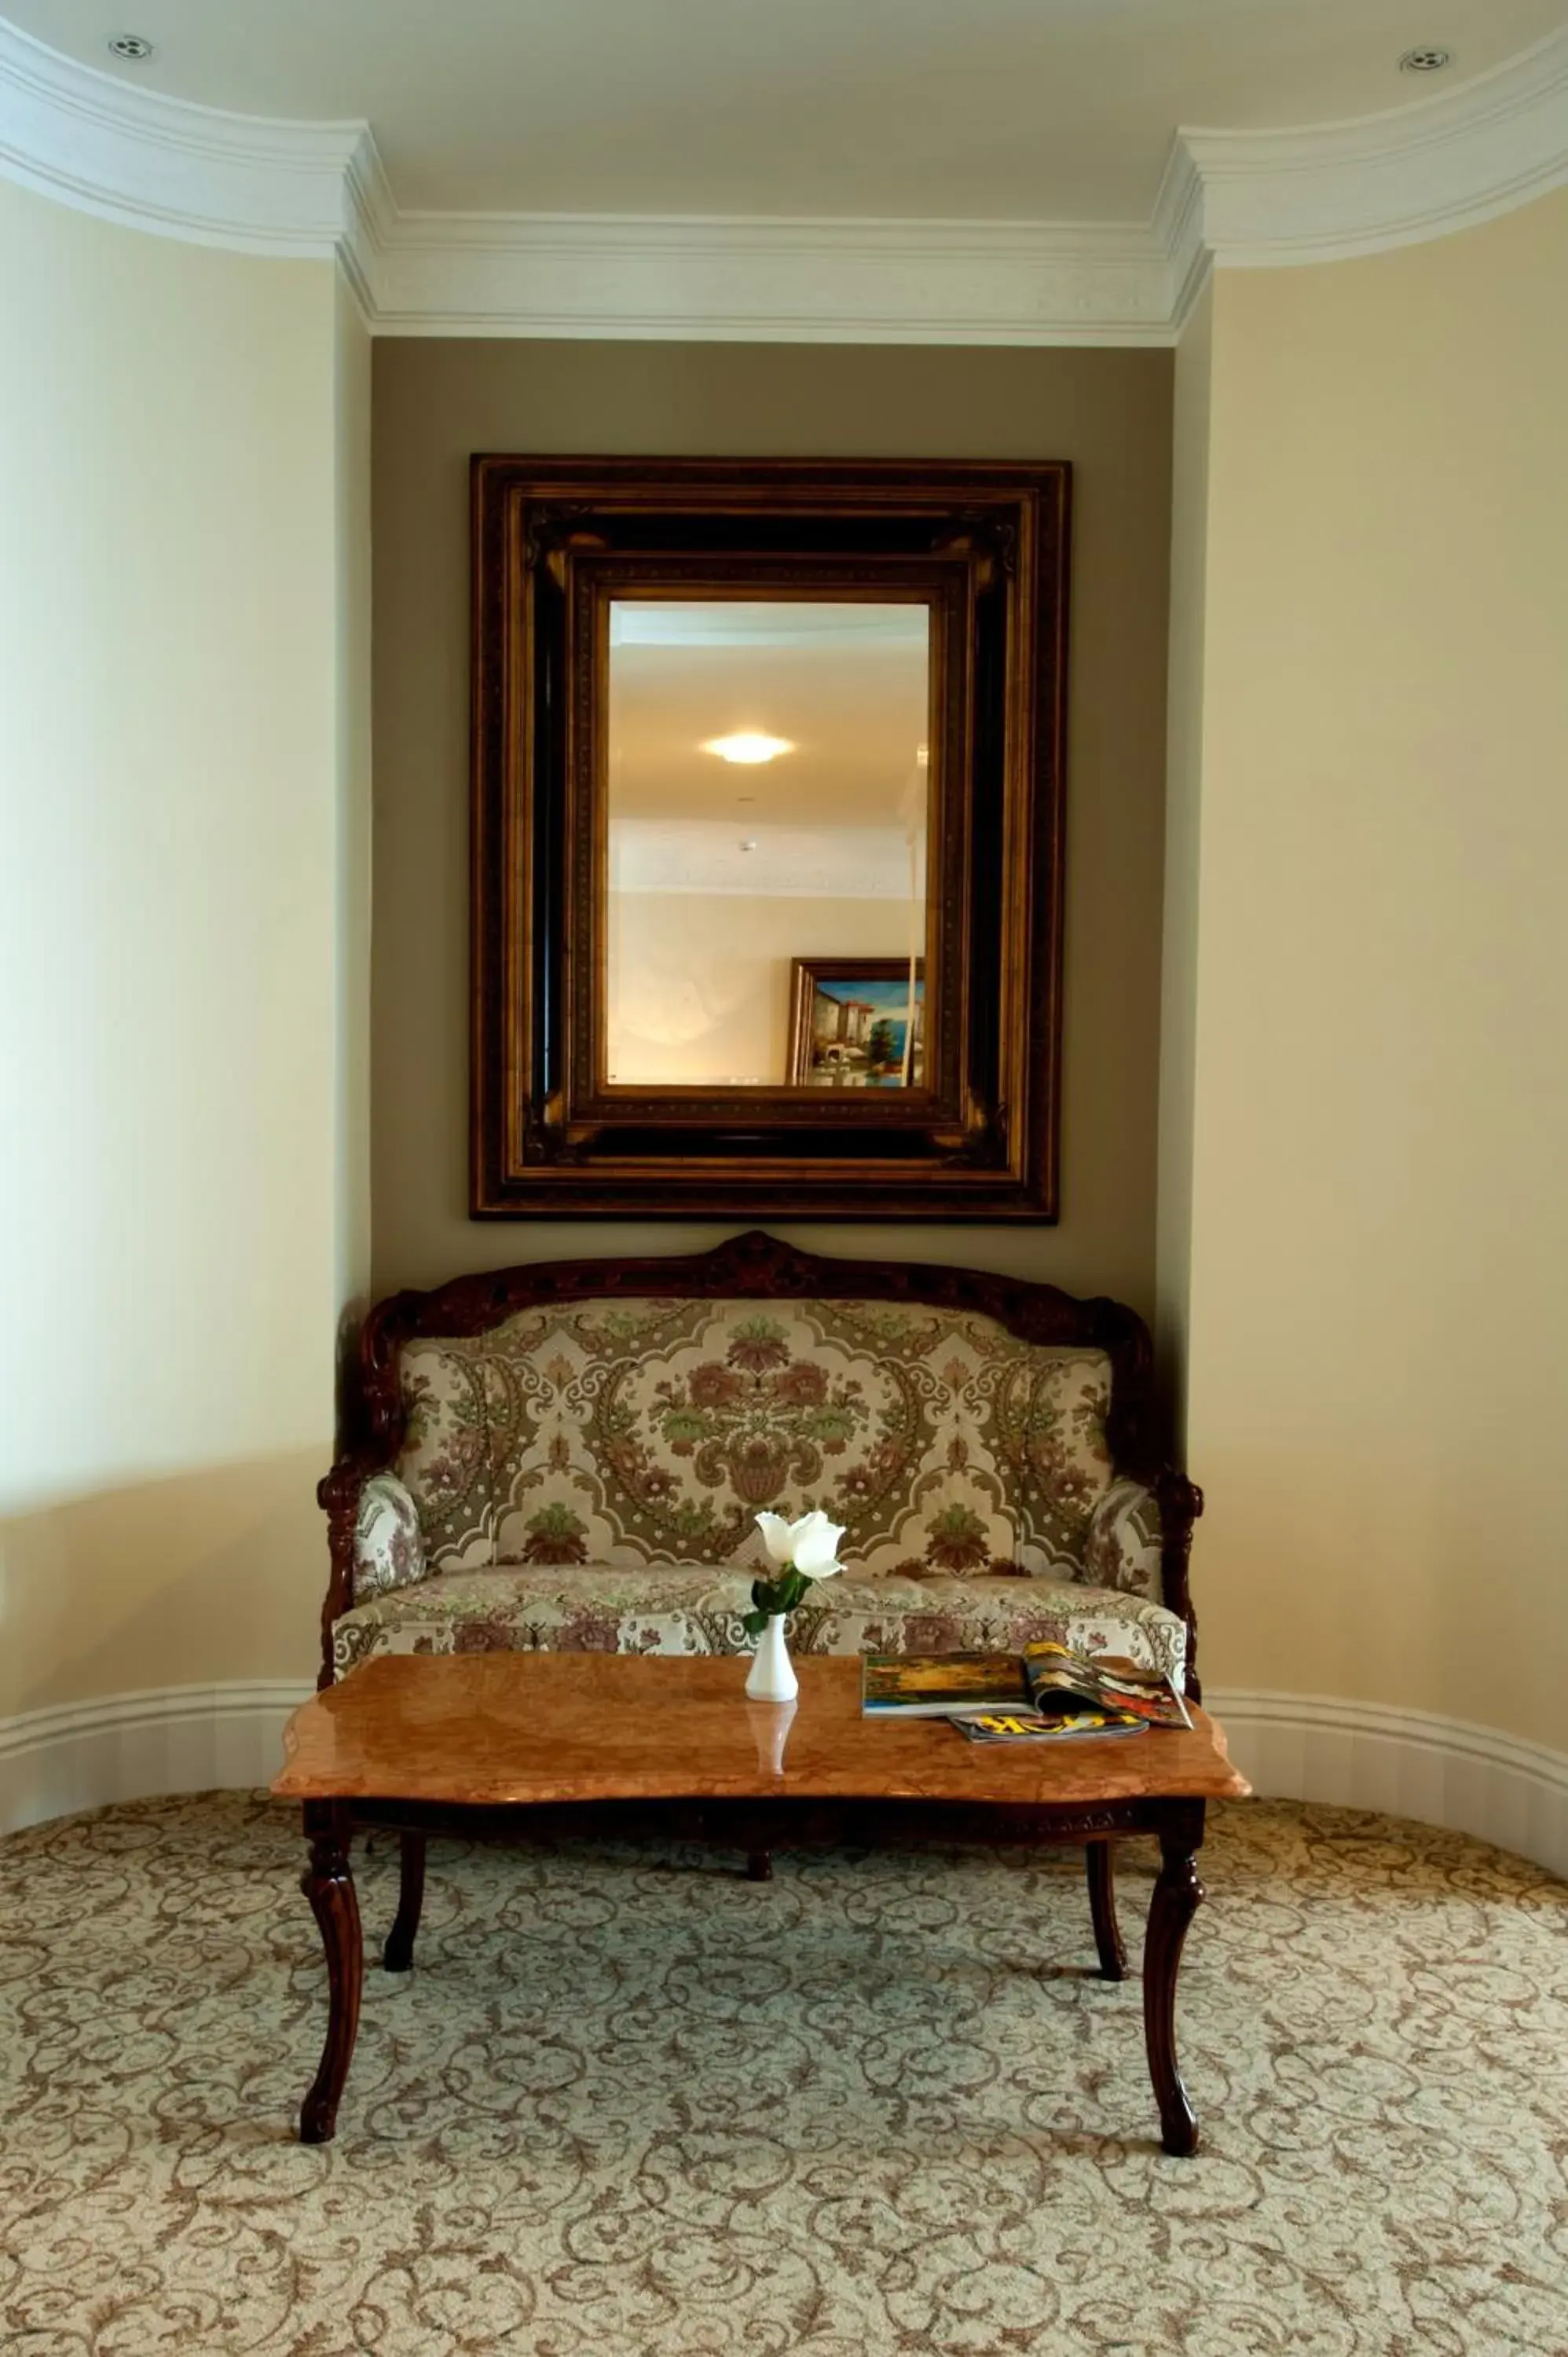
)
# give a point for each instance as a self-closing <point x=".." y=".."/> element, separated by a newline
<point x="769" y="794"/>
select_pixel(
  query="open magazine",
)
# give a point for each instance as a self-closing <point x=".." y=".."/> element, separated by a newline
<point x="1057" y="1679"/>
<point x="1046" y="1692"/>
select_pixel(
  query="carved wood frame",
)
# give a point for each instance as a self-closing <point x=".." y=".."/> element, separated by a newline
<point x="986" y="546"/>
<point x="755" y="1266"/>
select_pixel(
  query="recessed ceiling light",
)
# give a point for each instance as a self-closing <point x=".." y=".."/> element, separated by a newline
<point x="134" y="47"/>
<point x="748" y="746"/>
<point x="1428" y="58"/>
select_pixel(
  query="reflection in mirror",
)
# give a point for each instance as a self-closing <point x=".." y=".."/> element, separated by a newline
<point x="768" y="798"/>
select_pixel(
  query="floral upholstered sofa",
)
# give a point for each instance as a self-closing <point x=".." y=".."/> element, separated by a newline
<point x="570" y="1456"/>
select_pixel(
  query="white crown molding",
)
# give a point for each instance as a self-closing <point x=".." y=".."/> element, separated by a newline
<point x="1178" y="232"/>
<point x="1252" y="199"/>
<point x="1407" y="1764"/>
<point x="240" y="181"/>
<point x="775" y="280"/>
<point x="1329" y="191"/>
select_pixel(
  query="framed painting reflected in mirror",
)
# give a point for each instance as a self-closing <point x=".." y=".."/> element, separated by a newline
<point x="766" y="838"/>
<point x="858" y="1023"/>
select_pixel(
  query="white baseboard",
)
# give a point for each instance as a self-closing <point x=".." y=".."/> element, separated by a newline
<point x="132" y="1747"/>
<point x="1444" y="1771"/>
<point x="1410" y="1763"/>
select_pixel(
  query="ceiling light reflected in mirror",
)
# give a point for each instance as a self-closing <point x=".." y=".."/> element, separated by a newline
<point x="749" y="746"/>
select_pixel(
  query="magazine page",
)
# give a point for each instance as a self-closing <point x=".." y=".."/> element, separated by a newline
<point x="1059" y="1679"/>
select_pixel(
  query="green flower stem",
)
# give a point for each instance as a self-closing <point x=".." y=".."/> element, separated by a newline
<point x="771" y="1596"/>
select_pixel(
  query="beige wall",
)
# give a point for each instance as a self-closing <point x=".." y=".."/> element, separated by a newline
<point x="1109" y="412"/>
<point x="184" y="776"/>
<point x="1378" y="1241"/>
<point x="731" y="955"/>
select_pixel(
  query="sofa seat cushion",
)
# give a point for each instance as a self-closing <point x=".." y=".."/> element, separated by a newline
<point x="695" y="1609"/>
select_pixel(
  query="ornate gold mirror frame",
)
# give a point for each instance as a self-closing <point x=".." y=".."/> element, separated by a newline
<point x="866" y="1128"/>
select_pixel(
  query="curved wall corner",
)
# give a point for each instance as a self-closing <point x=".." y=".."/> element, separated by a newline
<point x="1403" y="1763"/>
<point x="141" y="1746"/>
<point x="1364" y="1261"/>
<point x="183" y="938"/>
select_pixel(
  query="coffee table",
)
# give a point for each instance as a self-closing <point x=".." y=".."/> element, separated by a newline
<point x="497" y="1744"/>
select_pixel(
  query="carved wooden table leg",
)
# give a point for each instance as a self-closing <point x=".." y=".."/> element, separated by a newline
<point x="1099" y="1859"/>
<point x="398" y="1953"/>
<point x="1177" y="1895"/>
<point x="328" y="1885"/>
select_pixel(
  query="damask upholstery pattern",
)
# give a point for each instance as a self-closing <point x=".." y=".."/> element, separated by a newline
<point x="587" y="1475"/>
<point x="652" y="1431"/>
<point x="697" y="1610"/>
<point x="1123" y="1548"/>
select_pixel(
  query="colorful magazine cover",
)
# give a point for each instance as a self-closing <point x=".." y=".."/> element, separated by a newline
<point x="930" y="1686"/>
<point x="1033" y="1726"/>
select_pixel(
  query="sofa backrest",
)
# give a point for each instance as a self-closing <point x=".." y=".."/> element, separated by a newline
<point x="651" y="1430"/>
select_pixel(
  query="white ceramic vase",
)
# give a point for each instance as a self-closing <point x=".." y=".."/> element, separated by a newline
<point x="772" y="1675"/>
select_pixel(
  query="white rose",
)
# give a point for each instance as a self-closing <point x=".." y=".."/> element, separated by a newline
<point x="810" y="1546"/>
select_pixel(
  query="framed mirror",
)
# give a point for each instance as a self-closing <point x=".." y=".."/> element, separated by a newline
<point x="767" y="876"/>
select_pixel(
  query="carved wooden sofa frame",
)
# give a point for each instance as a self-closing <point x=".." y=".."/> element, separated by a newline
<point x="754" y="1267"/>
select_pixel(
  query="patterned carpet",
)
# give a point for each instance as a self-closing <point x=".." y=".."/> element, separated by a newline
<point x="630" y="2103"/>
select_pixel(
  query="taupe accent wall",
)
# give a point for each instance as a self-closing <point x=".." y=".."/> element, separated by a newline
<point x="435" y="402"/>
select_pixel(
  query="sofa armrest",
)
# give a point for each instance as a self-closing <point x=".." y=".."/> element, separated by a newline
<point x="373" y="1536"/>
<point x="389" y="1545"/>
<point x="1139" y="1537"/>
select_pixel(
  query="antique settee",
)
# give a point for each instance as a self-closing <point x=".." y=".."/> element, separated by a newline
<point x="570" y="1456"/>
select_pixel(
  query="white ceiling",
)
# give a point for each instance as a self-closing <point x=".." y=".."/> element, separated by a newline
<point x="854" y="708"/>
<point x="1019" y="109"/>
